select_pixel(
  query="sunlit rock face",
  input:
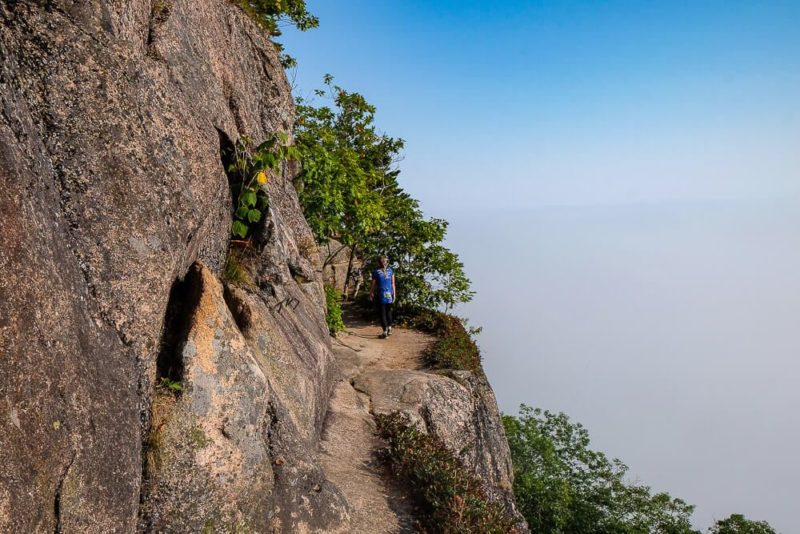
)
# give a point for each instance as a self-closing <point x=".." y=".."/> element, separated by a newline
<point x="112" y="116"/>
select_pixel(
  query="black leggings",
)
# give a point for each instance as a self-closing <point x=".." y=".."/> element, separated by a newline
<point x="385" y="311"/>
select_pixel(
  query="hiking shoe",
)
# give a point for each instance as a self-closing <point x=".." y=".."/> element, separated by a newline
<point x="389" y="331"/>
<point x="385" y="334"/>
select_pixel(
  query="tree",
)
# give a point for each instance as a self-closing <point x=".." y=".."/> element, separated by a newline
<point x="349" y="191"/>
<point x="338" y="184"/>
<point x="738" y="524"/>
<point x="430" y="274"/>
<point x="564" y="487"/>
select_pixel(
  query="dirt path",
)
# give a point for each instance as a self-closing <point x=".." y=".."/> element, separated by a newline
<point x="349" y="443"/>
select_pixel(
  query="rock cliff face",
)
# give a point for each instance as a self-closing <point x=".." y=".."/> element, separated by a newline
<point x="115" y="214"/>
<point x="111" y="119"/>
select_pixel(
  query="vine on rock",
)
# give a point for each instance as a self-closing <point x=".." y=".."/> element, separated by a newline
<point x="253" y="167"/>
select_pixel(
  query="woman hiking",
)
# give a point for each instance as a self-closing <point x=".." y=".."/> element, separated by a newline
<point x="383" y="281"/>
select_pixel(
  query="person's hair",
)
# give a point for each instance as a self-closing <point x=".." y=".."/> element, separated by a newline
<point x="382" y="256"/>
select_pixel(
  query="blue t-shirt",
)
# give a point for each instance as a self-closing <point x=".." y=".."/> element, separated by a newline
<point x="384" y="279"/>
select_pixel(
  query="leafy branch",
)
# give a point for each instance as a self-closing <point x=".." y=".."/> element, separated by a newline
<point x="254" y="166"/>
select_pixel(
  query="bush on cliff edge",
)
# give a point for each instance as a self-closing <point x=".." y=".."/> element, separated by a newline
<point x="449" y="497"/>
<point x="455" y="346"/>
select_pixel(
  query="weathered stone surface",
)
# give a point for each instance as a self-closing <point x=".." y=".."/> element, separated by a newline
<point x="459" y="407"/>
<point x="350" y="455"/>
<point x="215" y="459"/>
<point x="111" y="119"/>
<point x="69" y="409"/>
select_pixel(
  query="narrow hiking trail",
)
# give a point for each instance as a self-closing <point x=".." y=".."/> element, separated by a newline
<point x="349" y="442"/>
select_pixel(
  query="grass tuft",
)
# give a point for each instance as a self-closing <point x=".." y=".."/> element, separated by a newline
<point x="235" y="271"/>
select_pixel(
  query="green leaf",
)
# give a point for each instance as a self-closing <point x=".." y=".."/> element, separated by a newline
<point x="239" y="229"/>
<point x="253" y="216"/>
<point x="174" y="385"/>
<point x="241" y="213"/>
<point x="248" y="198"/>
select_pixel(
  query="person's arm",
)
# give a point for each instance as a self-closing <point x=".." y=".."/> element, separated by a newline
<point x="394" y="290"/>
<point x="372" y="288"/>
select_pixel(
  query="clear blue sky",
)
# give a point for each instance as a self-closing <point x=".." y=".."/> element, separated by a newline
<point x="515" y="104"/>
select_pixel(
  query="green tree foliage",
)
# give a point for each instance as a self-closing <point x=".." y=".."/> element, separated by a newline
<point x="270" y="14"/>
<point x="430" y="274"/>
<point x="738" y="524"/>
<point x="564" y="487"/>
<point x="350" y="192"/>
<point x="339" y="183"/>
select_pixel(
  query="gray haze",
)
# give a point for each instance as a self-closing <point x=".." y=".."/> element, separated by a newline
<point x="669" y="330"/>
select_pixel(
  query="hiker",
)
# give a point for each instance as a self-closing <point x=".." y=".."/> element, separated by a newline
<point x="383" y="281"/>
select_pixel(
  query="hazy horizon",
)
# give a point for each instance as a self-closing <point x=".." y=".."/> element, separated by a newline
<point x="667" y="330"/>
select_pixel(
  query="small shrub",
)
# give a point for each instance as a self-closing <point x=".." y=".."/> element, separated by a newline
<point x="454" y="347"/>
<point x="161" y="411"/>
<point x="235" y="272"/>
<point x="333" y="315"/>
<point x="450" y="498"/>
<point x="269" y="14"/>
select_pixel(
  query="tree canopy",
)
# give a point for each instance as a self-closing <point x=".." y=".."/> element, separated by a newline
<point x="738" y="524"/>
<point x="564" y="487"/>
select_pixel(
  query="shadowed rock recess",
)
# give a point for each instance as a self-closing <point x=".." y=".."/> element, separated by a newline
<point x="115" y="212"/>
